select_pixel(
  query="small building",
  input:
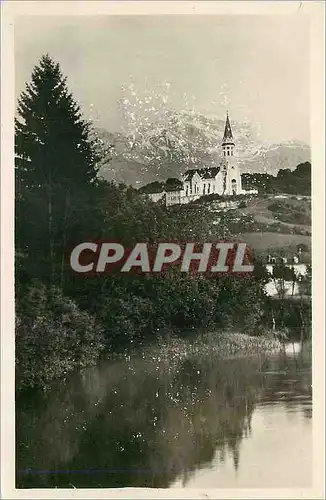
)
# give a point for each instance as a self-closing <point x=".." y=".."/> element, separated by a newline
<point x="283" y="288"/>
<point x="173" y="197"/>
<point x="299" y="269"/>
<point x="155" y="190"/>
<point x="155" y="197"/>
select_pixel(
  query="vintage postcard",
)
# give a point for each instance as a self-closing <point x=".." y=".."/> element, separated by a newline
<point x="162" y="208"/>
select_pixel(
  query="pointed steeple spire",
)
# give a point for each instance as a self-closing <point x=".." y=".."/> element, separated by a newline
<point x="228" y="137"/>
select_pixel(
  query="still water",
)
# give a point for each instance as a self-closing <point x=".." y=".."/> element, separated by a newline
<point x="194" y="423"/>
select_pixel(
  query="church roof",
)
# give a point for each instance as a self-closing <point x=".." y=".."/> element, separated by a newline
<point x="204" y="173"/>
<point x="228" y="136"/>
<point x="190" y="173"/>
<point x="209" y="173"/>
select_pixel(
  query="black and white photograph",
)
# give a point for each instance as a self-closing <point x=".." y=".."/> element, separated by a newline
<point x="164" y="265"/>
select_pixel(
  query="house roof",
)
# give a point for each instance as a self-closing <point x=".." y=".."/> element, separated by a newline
<point x="152" y="188"/>
<point x="172" y="189"/>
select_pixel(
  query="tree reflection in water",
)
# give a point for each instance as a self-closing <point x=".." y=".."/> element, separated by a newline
<point x="143" y="423"/>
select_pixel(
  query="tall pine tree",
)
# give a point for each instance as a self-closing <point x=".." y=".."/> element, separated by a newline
<point x="56" y="163"/>
<point x="52" y="140"/>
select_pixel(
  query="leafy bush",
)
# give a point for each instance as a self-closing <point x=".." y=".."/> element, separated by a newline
<point x="53" y="337"/>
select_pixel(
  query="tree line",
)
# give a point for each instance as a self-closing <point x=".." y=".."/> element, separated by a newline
<point x="297" y="181"/>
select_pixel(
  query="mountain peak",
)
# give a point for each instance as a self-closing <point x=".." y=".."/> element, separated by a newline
<point x="160" y="150"/>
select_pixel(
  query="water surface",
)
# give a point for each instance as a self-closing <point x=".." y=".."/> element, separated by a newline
<point x="200" y="422"/>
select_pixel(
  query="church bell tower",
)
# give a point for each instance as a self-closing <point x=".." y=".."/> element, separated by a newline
<point x="231" y="175"/>
<point x="227" y="142"/>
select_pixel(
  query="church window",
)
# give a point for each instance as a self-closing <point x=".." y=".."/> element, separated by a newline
<point x="204" y="186"/>
<point x="208" y="188"/>
<point x="234" y="186"/>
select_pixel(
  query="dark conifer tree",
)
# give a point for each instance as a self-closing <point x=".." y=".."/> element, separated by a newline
<point x="52" y="140"/>
<point x="56" y="163"/>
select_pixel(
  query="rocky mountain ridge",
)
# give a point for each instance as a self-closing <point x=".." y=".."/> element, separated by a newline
<point x="162" y="150"/>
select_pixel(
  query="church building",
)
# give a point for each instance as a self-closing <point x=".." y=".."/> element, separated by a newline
<point x="223" y="179"/>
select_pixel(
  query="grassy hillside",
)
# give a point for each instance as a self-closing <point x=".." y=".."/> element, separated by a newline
<point x="276" y="223"/>
<point x="291" y="211"/>
<point x="265" y="241"/>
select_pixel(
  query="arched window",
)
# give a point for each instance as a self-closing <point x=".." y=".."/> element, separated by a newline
<point x="234" y="186"/>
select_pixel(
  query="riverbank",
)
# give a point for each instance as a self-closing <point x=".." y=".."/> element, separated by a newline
<point x="168" y="349"/>
<point x="219" y="345"/>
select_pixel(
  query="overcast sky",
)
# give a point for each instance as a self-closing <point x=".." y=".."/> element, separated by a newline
<point x="257" y="67"/>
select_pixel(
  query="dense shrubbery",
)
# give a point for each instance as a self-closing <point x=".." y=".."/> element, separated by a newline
<point x="53" y="337"/>
<point x="296" y="182"/>
<point x="208" y="198"/>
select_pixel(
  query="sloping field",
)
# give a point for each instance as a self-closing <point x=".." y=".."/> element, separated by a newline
<point x="265" y="241"/>
<point x="287" y="210"/>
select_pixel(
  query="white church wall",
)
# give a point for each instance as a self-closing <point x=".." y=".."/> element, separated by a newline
<point x="233" y="174"/>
